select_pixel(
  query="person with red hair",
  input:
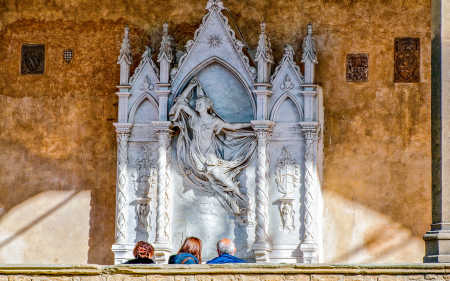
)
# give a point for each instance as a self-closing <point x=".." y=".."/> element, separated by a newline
<point x="143" y="253"/>
<point x="189" y="253"/>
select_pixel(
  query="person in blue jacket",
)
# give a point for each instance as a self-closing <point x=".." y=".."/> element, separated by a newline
<point x="226" y="250"/>
<point x="189" y="253"/>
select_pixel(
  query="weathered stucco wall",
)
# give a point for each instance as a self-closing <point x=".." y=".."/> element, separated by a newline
<point x="57" y="142"/>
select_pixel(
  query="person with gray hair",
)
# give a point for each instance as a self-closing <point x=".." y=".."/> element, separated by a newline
<point x="226" y="250"/>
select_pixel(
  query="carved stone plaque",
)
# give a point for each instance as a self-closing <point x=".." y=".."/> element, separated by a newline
<point x="33" y="59"/>
<point x="407" y="60"/>
<point x="357" y="67"/>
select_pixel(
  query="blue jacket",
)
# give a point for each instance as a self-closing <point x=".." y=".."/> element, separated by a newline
<point x="225" y="258"/>
<point x="183" y="258"/>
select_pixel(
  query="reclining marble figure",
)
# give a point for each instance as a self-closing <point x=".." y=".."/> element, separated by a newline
<point x="210" y="151"/>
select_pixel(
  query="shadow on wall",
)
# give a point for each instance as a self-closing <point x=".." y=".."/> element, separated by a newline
<point x="52" y="218"/>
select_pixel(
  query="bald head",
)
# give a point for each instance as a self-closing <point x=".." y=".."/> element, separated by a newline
<point x="226" y="246"/>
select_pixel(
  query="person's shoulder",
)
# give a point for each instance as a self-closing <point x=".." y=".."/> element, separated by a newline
<point x="185" y="258"/>
<point x="140" y="261"/>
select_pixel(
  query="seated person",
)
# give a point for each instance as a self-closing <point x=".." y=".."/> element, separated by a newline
<point x="143" y="253"/>
<point x="189" y="253"/>
<point x="226" y="250"/>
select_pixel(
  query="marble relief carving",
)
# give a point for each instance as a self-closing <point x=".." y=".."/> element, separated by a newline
<point x="407" y="60"/>
<point x="212" y="152"/>
<point x="199" y="153"/>
<point x="288" y="181"/>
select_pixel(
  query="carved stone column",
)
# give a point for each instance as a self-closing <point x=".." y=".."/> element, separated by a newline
<point x="162" y="241"/>
<point x="122" y="246"/>
<point x="309" y="245"/>
<point x="261" y="247"/>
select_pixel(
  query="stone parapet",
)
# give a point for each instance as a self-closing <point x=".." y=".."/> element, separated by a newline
<point x="238" y="272"/>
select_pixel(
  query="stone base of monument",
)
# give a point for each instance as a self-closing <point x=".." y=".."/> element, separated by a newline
<point x="122" y="252"/>
<point x="437" y="246"/>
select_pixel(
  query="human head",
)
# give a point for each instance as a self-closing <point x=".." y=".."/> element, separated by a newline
<point x="226" y="246"/>
<point x="193" y="246"/>
<point x="143" y="250"/>
<point x="204" y="102"/>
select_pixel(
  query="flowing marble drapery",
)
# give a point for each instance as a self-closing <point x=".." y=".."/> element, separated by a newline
<point x="211" y="152"/>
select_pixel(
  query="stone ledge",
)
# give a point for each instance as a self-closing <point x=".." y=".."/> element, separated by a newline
<point x="229" y="269"/>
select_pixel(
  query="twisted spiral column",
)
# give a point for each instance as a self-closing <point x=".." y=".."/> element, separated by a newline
<point x="162" y="237"/>
<point x="123" y="134"/>
<point x="261" y="247"/>
<point x="309" y="245"/>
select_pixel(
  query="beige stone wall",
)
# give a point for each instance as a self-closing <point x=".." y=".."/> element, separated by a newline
<point x="57" y="143"/>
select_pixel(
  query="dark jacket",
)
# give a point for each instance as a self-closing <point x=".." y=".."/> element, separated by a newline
<point x="183" y="258"/>
<point x="225" y="258"/>
<point x="140" y="261"/>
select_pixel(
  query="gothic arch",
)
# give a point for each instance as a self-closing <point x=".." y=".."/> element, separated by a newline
<point x="144" y="97"/>
<point x="284" y="97"/>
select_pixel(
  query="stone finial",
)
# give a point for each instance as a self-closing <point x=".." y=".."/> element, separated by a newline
<point x="125" y="59"/>
<point x="289" y="53"/>
<point x="214" y="5"/>
<point x="125" y="49"/>
<point x="264" y="51"/>
<point x="309" y="48"/>
<point x="165" y="56"/>
<point x="165" y="51"/>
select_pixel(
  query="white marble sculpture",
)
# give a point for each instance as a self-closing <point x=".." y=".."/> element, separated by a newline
<point x="211" y="143"/>
<point x="200" y="154"/>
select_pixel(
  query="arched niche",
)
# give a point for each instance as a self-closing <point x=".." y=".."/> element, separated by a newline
<point x="144" y="110"/>
<point x="232" y="98"/>
<point x="287" y="110"/>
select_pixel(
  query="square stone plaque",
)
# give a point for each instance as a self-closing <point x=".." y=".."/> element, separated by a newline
<point x="33" y="59"/>
<point x="357" y="67"/>
<point x="407" y="60"/>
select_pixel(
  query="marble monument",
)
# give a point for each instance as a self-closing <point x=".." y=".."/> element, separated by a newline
<point x="212" y="144"/>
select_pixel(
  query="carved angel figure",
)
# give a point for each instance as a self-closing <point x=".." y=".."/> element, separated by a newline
<point x="210" y="151"/>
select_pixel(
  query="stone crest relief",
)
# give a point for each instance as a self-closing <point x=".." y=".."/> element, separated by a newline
<point x="357" y="68"/>
<point x="33" y="59"/>
<point x="407" y="60"/>
<point x="287" y="179"/>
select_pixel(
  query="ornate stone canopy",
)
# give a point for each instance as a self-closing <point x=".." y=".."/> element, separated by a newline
<point x="260" y="185"/>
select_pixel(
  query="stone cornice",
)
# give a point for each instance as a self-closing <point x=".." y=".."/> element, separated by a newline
<point x="321" y="269"/>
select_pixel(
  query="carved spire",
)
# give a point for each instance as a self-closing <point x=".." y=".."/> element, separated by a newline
<point x="165" y="51"/>
<point x="309" y="48"/>
<point x="165" y="56"/>
<point x="125" y="59"/>
<point x="263" y="56"/>
<point x="125" y="49"/>
<point x="214" y="5"/>
<point x="264" y="51"/>
<point x="309" y="57"/>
